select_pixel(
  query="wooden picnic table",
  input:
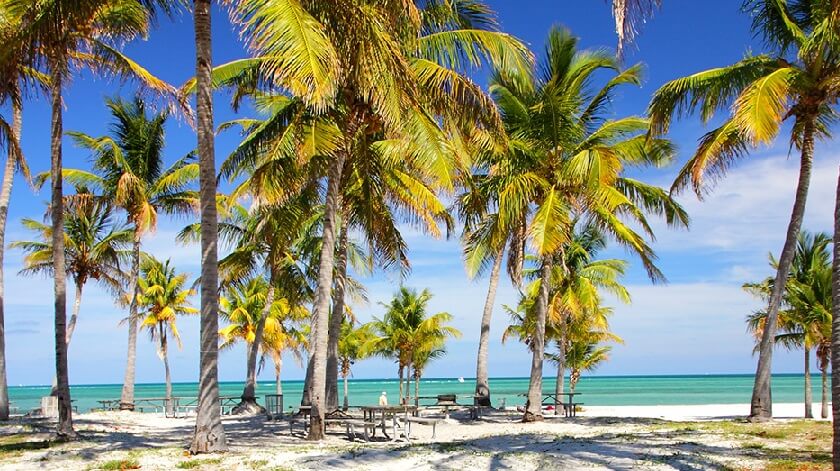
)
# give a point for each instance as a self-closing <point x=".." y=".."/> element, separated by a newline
<point x="369" y="414"/>
<point x="552" y="399"/>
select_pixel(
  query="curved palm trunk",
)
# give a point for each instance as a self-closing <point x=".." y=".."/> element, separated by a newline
<point x="164" y="355"/>
<point x="71" y="326"/>
<point x="533" y="410"/>
<point x="320" y="317"/>
<point x="127" y="397"/>
<point x="824" y="408"/>
<point x="761" y="405"/>
<point x="835" y="334"/>
<point x="809" y="400"/>
<point x="482" y="380"/>
<point x="249" y="404"/>
<point x="278" y="368"/>
<point x="5" y="197"/>
<point x="65" y="412"/>
<point x="335" y="320"/>
<point x="209" y="433"/>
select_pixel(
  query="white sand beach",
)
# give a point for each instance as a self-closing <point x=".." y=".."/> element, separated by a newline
<point x="626" y="437"/>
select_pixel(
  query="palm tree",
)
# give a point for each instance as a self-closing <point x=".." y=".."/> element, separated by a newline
<point x="793" y="82"/>
<point x="628" y="14"/>
<point x="94" y="247"/>
<point x="350" y="350"/>
<point x="804" y="320"/>
<point x="162" y="298"/>
<point x="60" y="35"/>
<point x="15" y="75"/>
<point x="566" y="162"/>
<point x="128" y="168"/>
<point x="406" y="329"/>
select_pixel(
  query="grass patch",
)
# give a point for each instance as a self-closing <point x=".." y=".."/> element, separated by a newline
<point x="753" y="446"/>
<point x="258" y="464"/>
<point x="791" y="465"/>
<point x="192" y="464"/>
<point x="119" y="465"/>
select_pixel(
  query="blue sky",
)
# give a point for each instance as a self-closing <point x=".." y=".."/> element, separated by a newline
<point x="693" y="324"/>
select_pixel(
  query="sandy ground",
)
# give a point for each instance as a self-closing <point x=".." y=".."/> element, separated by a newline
<point x="627" y="437"/>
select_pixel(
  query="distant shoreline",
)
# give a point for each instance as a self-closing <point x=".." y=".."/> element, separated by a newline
<point x="466" y="379"/>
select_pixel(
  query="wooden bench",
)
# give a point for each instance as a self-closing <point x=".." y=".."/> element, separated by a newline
<point x="421" y="420"/>
<point x="477" y="411"/>
<point x="350" y="426"/>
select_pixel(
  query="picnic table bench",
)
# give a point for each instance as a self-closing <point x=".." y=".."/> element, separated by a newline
<point x="447" y="401"/>
<point x="552" y="399"/>
<point x="420" y="420"/>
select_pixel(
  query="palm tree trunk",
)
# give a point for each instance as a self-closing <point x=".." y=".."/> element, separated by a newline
<point x="77" y="303"/>
<point x="809" y="400"/>
<point x="835" y="334"/>
<point x="127" y="397"/>
<point x="5" y="197"/>
<point x="164" y="355"/>
<point x="416" y="389"/>
<point x="65" y="412"/>
<point x="278" y="368"/>
<point x="71" y="326"/>
<point x="761" y="406"/>
<point x="824" y="408"/>
<point x="346" y="396"/>
<point x="320" y="316"/>
<point x="307" y="379"/>
<point x="249" y="404"/>
<point x="401" y="383"/>
<point x="209" y="433"/>
<point x="336" y="318"/>
<point x="558" y="387"/>
<point x="482" y="380"/>
<point x="533" y="410"/>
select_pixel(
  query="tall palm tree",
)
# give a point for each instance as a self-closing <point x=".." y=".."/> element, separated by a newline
<point x="406" y="329"/>
<point x="129" y="170"/>
<point x="15" y="75"/>
<point x="94" y="247"/>
<point x="60" y="35"/>
<point x="567" y="162"/>
<point x="162" y="298"/>
<point x="793" y="82"/>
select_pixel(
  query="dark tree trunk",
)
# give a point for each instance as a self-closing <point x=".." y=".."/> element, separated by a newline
<point x="346" y="397"/>
<point x="336" y="318"/>
<point x="65" y="411"/>
<point x="835" y="335"/>
<point x="320" y="316"/>
<point x="307" y="379"/>
<point x="809" y="400"/>
<point x="761" y="406"/>
<point x="209" y="433"/>
<point x="127" y="397"/>
<point x="533" y="409"/>
<point x="5" y="197"/>
<point x="482" y="380"/>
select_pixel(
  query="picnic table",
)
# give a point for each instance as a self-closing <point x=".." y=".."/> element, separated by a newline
<point x="370" y="413"/>
<point x="552" y="399"/>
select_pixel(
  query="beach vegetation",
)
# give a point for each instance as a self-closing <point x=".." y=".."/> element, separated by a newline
<point x="118" y="465"/>
<point x="408" y="333"/>
<point x="804" y="320"/>
<point x="789" y="83"/>
<point x="193" y="464"/>
<point x="162" y="298"/>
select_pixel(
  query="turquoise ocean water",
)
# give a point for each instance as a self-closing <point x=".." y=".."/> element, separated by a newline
<point x="596" y="391"/>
